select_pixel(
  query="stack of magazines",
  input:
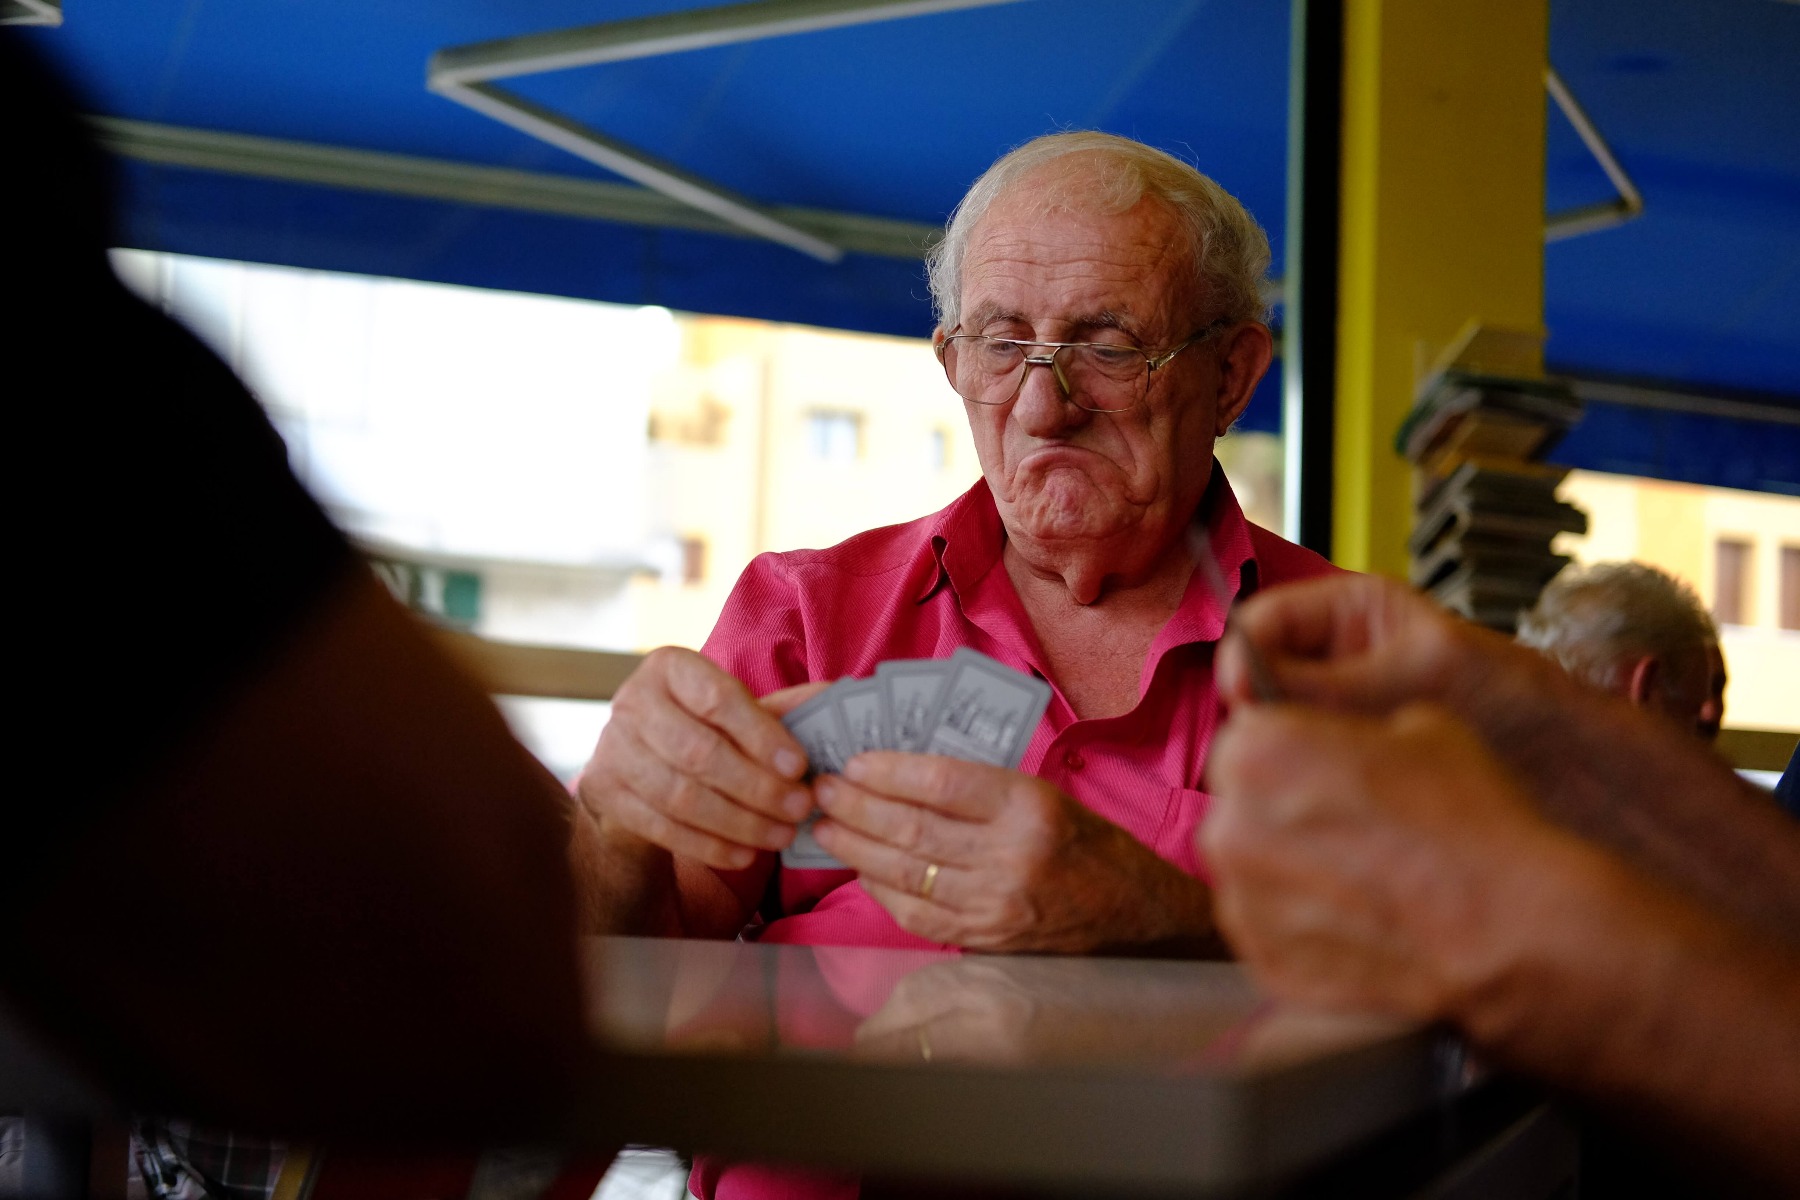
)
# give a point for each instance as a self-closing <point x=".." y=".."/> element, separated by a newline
<point x="1485" y="505"/>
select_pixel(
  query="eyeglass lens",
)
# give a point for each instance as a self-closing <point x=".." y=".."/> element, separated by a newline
<point x="990" y="371"/>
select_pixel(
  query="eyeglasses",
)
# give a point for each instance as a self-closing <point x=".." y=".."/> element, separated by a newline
<point x="1092" y="375"/>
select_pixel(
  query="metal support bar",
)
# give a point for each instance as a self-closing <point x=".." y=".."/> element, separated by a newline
<point x="665" y="177"/>
<point x="508" y="669"/>
<point x="466" y="183"/>
<point x="1590" y="217"/>
<point x="1777" y="410"/>
<point x="670" y="33"/>
<point x="463" y="74"/>
<point x="1310" y="286"/>
<point x="31" y="12"/>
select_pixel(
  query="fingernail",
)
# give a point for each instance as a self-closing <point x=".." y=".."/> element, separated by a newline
<point x="826" y="788"/>
<point x="739" y="857"/>
<point x="789" y="763"/>
<point x="796" y="805"/>
<point x="854" y="769"/>
<point x="778" y="837"/>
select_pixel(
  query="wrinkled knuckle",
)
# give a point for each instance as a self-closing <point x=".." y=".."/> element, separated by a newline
<point x="939" y="775"/>
<point x="708" y="698"/>
<point x="912" y="832"/>
<point x="627" y="703"/>
<point x="683" y="799"/>
<point x="767" y="792"/>
<point x="693" y="753"/>
<point x="658" y="828"/>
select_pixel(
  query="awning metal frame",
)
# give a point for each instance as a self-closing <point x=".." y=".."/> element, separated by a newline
<point x="466" y="74"/>
<point x="468" y="183"/>
<point x="667" y="196"/>
<point x="31" y="12"/>
<point x="1590" y="218"/>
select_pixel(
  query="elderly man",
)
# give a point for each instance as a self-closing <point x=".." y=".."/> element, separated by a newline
<point x="1637" y="632"/>
<point x="1099" y="314"/>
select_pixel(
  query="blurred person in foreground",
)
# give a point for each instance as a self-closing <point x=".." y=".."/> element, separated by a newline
<point x="1635" y="631"/>
<point x="1436" y="823"/>
<point x="284" y="866"/>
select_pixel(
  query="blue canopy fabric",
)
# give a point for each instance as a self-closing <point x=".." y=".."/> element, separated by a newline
<point x="1700" y="99"/>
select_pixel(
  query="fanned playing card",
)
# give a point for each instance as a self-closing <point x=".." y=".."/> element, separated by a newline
<point x="968" y="706"/>
<point x="912" y="687"/>
<point x="820" y="732"/>
<point x="988" y="711"/>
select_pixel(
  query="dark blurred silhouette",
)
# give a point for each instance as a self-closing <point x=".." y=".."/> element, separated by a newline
<point x="283" y="865"/>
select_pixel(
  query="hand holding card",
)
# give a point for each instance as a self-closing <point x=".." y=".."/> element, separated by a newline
<point x="967" y="706"/>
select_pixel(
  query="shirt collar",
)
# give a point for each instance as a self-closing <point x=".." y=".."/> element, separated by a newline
<point x="966" y="540"/>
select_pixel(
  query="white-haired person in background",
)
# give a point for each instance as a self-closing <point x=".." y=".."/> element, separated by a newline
<point x="1637" y="632"/>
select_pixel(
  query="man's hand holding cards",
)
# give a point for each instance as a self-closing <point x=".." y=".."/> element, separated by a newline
<point x="967" y="706"/>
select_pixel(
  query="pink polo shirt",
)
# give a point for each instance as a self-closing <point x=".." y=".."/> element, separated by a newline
<point x="921" y="590"/>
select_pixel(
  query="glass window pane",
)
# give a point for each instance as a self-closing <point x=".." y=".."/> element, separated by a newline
<point x="1790" y="587"/>
<point x="1731" y="591"/>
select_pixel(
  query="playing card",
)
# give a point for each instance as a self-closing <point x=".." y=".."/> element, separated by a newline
<point x="816" y="726"/>
<point x="862" y="709"/>
<point x="988" y="711"/>
<point x="804" y="852"/>
<point x="911" y="688"/>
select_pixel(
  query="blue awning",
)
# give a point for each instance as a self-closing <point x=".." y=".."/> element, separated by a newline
<point x="892" y="120"/>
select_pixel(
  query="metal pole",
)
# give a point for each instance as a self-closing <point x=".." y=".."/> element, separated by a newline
<point x="1309" y="326"/>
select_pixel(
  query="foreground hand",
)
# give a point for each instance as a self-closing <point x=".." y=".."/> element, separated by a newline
<point x="1392" y="864"/>
<point x="1368" y="644"/>
<point x="1020" y="866"/>
<point x="1369" y="863"/>
<point x="692" y="763"/>
<point x="1591" y="761"/>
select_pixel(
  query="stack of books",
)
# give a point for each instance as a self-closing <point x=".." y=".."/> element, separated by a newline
<point x="1485" y="504"/>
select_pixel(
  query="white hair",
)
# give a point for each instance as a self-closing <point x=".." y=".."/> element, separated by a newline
<point x="1229" y="250"/>
<point x="1596" y="620"/>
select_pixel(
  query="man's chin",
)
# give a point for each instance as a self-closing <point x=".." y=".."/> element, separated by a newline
<point x="1068" y="518"/>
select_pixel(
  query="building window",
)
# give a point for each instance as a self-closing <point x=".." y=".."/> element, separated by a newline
<point x="834" y="435"/>
<point x="1731" y="581"/>
<point x="693" y="560"/>
<point x="700" y="424"/>
<point x="1790" y="587"/>
<point x="937" y="449"/>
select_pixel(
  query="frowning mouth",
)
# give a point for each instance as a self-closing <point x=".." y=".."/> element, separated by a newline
<point x="1047" y="458"/>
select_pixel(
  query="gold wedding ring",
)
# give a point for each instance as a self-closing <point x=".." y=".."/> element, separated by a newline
<point x="928" y="881"/>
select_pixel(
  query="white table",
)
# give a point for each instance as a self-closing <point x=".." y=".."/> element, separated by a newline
<point x="1066" y="1074"/>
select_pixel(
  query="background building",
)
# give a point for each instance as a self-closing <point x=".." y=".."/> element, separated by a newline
<point x="573" y="473"/>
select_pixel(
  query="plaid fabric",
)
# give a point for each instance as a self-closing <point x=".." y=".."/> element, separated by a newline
<point x="179" y="1160"/>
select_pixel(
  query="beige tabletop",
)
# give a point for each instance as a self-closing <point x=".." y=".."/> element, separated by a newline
<point x="1106" y="1074"/>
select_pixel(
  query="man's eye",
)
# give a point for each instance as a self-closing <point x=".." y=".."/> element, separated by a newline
<point x="998" y="354"/>
<point x="1115" y="356"/>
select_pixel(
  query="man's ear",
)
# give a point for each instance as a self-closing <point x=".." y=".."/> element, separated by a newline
<point x="1644" y="678"/>
<point x="1244" y="359"/>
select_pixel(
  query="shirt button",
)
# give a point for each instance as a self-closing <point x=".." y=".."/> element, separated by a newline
<point x="1072" y="759"/>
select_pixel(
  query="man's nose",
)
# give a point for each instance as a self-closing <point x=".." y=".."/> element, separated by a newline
<point x="1042" y="408"/>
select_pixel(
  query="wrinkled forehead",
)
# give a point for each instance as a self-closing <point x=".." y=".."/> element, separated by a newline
<point x="1050" y="244"/>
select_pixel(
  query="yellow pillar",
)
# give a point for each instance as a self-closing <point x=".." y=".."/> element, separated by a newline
<point x="1442" y="222"/>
